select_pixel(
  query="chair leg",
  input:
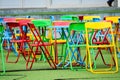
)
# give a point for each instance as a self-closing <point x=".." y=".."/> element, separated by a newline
<point x="3" y="60"/>
<point x="7" y="56"/>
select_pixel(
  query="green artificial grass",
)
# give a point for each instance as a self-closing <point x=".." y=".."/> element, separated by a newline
<point x="42" y="71"/>
<point x="58" y="75"/>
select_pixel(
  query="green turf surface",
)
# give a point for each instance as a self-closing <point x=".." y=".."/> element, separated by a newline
<point x="57" y="75"/>
<point x="42" y="71"/>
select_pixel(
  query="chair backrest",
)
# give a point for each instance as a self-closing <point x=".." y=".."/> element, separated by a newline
<point x="98" y="25"/>
<point x="99" y="32"/>
<point x="76" y="33"/>
<point x="9" y="19"/>
<point x="90" y="18"/>
<point x="42" y="26"/>
<point x="60" y="29"/>
<point x="61" y="23"/>
<point x="79" y="26"/>
<point x="66" y="17"/>
<point x="24" y="22"/>
<point x="114" y="19"/>
<point x="69" y="17"/>
<point x="42" y="22"/>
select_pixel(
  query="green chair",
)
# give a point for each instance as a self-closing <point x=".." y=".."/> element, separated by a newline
<point x="76" y="47"/>
<point x="69" y="18"/>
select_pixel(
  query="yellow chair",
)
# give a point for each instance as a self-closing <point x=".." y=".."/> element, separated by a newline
<point x="99" y="36"/>
<point x="114" y="19"/>
<point x="90" y="18"/>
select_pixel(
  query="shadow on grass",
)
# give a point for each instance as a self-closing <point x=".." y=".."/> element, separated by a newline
<point x="89" y="78"/>
<point x="30" y="70"/>
<point x="18" y="76"/>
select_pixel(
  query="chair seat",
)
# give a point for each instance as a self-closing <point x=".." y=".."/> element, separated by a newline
<point x="100" y="46"/>
<point x="41" y="44"/>
<point x="20" y="40"/>
<point x="58" y="41"/>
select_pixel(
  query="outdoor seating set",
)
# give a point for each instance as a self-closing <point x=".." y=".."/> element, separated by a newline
<point x="73" y="42"/>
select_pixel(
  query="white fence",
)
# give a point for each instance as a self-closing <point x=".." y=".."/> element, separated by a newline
<point x="52" y="3"/>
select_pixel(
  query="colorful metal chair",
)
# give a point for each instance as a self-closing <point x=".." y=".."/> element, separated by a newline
<point x="98" y="44"/>
<point x="75" y="55"/>
<point x="60" y="34"/>
<point x="7" y="35"/>
<point x="20" y="44"/>
<point x="41" y="43"/>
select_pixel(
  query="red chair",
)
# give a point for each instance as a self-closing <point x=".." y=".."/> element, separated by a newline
<point x="41" y="46"/>
<point x="20" y="43"/>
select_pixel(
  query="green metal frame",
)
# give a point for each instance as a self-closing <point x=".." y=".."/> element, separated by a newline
<point x="75" y="43"/>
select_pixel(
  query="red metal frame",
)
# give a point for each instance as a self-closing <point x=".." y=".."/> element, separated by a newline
<point x="104" y="41"/>
<point x="42" y="45"/>
<point x="21" y="43"/>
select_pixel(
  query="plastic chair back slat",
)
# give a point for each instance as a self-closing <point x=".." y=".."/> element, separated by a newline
<point x="77" y="26"/>
<point x="98" y="25"/>
<point x="42" y="22"/>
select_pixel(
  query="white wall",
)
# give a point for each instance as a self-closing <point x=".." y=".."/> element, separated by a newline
<point x="118" y="3"/>
<point x="78" y="3"/>
<point x="65" y="3"/>
<point x="10" y="3"/>
<point x="34" y="3"/>
<point x="52" y="3"/>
